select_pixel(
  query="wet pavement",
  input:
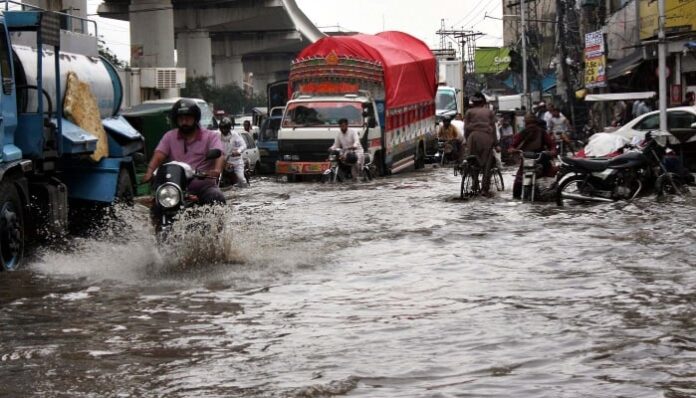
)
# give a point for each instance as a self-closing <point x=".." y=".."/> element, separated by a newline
<point x="393" y="288"/>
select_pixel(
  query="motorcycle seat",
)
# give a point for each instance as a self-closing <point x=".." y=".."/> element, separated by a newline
<point x="586" y="164"/>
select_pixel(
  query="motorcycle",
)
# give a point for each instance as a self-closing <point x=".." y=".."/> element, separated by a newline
<point x="340" y="171"/>
<point x="623" y="177"/>
<point x="533" y="165"/>
<point x="170" y="183"/>
<point x="447" y="152"/>
<point x="229" y="178"/>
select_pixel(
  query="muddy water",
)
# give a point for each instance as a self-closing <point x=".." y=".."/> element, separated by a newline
<point x="386" y="289"/>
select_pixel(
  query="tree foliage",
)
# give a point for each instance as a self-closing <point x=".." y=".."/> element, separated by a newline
<point x="110" y="56"/>
<point x="230" y="97"/>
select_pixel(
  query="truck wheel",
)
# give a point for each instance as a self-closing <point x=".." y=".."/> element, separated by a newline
<point x="420" y="157"/>
<point x="125" y="192"/>
<point x="11" y="227"/>
<point x="379" y="164"/>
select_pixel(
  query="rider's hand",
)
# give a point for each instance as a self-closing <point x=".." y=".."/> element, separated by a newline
<point x="213" y="173"/>
<point x="148" y="176"/>
<point x="497" y="149"/>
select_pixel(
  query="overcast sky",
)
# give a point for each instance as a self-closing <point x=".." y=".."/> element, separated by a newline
<point x="418" y="18"/>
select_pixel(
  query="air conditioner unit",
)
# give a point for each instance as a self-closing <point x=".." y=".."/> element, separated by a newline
<point x="163" y="78"/>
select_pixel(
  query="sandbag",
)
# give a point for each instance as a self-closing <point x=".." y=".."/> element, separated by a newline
<point x="80" y="107"/>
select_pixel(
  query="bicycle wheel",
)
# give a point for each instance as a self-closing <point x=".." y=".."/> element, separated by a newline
<point x="498" y="180"/>
<point x="465" y="187"/>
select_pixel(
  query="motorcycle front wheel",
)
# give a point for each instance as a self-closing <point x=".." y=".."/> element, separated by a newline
<point x="670" y="184"/>
<point x="574" y="188"/>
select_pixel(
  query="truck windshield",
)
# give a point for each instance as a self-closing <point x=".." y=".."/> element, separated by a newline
<point x="324" y="113"/>
<point x="446" y="100"/>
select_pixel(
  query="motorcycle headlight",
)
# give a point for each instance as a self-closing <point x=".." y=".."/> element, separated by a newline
<point x="168" y="196"/>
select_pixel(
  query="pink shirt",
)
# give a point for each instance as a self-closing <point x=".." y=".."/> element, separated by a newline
<point x="175" y="147"/>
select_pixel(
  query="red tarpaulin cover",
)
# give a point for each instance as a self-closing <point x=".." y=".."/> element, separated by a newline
<point x="409" y="66"/>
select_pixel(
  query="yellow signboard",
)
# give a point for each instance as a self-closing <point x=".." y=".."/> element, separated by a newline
<point x="595" y="71"/>
<point x="680" y="17"/>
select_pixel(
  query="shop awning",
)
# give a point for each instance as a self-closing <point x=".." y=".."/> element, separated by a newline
<point x="620" y="96"/>
<point x="625" y="65"/>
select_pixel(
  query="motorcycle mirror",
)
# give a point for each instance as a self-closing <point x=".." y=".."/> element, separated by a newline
<point x="213" y="154"/>
<point x="139" y="158"/>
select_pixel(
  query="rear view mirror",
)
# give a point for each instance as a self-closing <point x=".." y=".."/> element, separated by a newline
<point x="693" y="125"/>
<point x="371" y="122"/>
<point x="139" y="158"/>
<point x="213" y="154"/>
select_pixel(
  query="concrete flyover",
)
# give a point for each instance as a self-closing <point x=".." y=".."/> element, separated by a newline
<point x="228" y="41"/>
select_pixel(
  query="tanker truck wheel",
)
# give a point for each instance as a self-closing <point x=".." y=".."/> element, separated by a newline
<point x="124" y="189"/>
<point x="11" y="227"/>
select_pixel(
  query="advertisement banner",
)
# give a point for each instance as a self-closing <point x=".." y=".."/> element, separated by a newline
<point x="491" y="60"/>
<point x="595" y="61"/>
<point x="595" y="72"/>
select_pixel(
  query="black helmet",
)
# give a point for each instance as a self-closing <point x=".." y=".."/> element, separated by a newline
<point x="478" y="98"/>
<point x="351" y="158"/>
<point x="226" y="123"/>
<point x="185" y="107"/>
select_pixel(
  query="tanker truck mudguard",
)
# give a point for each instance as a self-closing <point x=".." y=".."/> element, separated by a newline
<point x="383" y="84"/>
<point x="48" y="161"/>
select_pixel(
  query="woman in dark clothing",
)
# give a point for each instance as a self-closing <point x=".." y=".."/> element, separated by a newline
<point x="532" y="139"/>
<point x="479" y="123"/>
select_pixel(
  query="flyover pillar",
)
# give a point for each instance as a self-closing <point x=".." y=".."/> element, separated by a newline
<point x="194" y="53"/>
<point x="152" y="36"/>
<point x="228" y="70"/>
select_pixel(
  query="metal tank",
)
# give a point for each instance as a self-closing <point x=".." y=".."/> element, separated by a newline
<point x="96" y="71"/>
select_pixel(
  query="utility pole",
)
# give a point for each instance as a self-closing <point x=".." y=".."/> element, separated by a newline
<point x="662" y="65"/>
<point x="526" y="100"/>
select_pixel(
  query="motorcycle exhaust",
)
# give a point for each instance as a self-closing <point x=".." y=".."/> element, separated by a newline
<point x="586" y="198"/>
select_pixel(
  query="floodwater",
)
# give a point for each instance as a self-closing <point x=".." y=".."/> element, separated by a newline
<point x="393" y="288"/>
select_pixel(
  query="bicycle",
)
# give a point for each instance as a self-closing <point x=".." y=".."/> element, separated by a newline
<point x="470" y="170"/>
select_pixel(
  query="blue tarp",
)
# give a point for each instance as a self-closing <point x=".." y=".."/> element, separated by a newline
<point x="547" y="83"/>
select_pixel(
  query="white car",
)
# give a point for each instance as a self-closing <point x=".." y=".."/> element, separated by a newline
<point x="251" y="154"/>
<point x="680" y="117"/>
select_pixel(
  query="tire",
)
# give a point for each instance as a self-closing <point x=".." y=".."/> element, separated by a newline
<point x="568" y="184"/>
<point x="498" y="180"/>
<point x="526" y="193"/>
<point x="670" y="184"/>
<point x="379" y="165"/>
<point x="466" y="187"/>
<point x="11" y="228"/>
<point x="420" y="157"/>
<point x="125" y="191"/>
<point x="257" y="169"/>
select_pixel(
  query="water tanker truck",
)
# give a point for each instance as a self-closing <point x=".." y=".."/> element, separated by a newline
<point x="383" y="84"/>
<point x="51" y="163"/>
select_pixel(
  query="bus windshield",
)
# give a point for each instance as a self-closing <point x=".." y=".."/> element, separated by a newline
<point x="324" y="113"/>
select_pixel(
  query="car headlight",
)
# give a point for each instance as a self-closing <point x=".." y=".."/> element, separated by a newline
<point x="168" y="196"/>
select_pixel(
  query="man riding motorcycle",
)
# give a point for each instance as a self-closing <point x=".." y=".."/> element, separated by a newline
<point x="189" y="143"/>
<point x="234" y="147"/>
<point x="449" y="134"/>
<point x="348" y="141"/>
<point x="533" y="138"/>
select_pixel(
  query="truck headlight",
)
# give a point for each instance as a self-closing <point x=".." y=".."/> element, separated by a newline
<point x="168" y="196"/>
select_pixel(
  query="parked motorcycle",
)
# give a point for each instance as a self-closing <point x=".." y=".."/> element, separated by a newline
<point x="340" y="170"/>
<point x="623" y="177"/>
<point x="170" y="183"/>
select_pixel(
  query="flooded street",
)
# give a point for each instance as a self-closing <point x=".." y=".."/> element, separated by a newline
<point x="393" y="288"/>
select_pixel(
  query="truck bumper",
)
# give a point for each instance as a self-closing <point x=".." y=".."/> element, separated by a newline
<point x="297" y="168"/>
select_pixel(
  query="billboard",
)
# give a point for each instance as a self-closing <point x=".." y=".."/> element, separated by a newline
<point x="491" y="60"/>
<point x="680" y="17"/>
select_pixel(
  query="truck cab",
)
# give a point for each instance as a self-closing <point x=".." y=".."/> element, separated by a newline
<point x="446" y="104"/>
<point x="310" y="125"/>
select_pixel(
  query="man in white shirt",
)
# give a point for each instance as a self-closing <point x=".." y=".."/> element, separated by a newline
<point x="348" y="140"/>
<point x="234" y="147"/>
